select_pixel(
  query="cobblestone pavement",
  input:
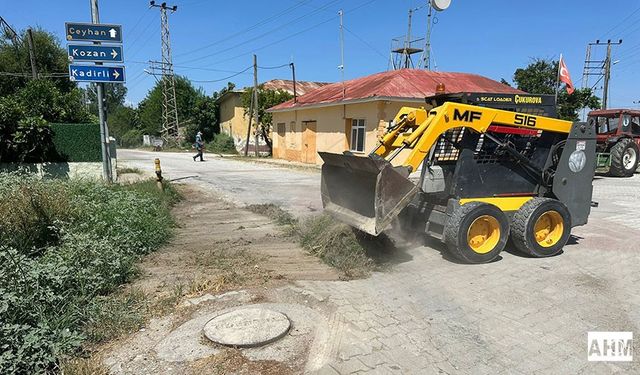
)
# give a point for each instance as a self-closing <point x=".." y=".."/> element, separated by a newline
<point x="428" y="314"/>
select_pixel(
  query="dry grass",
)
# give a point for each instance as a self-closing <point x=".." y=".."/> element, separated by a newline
<point x="232" y="361"/>
<point x="83" y="366"/>
<point x="352" y="252"/>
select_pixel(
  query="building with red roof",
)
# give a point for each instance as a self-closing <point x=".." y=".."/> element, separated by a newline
<point x="349" y="116"/>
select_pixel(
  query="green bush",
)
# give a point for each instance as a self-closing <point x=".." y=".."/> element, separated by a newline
<point x="77" y="142"/>
<point x="221" y="144"/>
<point x="74" y="243"/>
<point x="132" y="138"/>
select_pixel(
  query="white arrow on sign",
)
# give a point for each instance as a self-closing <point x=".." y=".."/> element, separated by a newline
<point x="112" y="32"/>
<point x="114" y="54"/>
<point x="116" y="74"/>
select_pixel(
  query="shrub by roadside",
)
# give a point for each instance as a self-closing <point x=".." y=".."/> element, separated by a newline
<point x="65" y="245"/>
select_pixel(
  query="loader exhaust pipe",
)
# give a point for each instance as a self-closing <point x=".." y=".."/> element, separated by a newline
<point x="364" y="192"/>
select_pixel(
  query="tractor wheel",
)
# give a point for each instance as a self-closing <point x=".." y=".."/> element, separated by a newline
<point x="624" y="158"/>
<point x="541" y="227"/>
<point x="477" y="232"/>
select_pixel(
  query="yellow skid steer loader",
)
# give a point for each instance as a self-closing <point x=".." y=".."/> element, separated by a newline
<point x="485" y="174"/>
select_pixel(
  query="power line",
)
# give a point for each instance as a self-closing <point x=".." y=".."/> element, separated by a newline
<point x="274" y="67"/>
<point x="267" y="20"/>
<point x="263" y="34"/>
<point x="291" y="35"/>
<point x="222" y="79"/>
<point x="365" y="42"/>
<point x="622" y="22"/>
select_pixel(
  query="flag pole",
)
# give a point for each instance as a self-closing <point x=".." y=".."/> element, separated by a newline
<point x="558" y="80"/>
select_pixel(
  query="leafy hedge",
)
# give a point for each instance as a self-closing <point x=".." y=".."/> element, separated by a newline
<point x="77" y="142"/>
<point x="63" y="245"/>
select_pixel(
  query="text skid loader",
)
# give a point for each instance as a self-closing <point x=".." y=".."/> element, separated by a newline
<point x="485" y="173"/>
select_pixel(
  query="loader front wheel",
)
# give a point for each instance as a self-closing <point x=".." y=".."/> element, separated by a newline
<point x="477" y="232"/>
<point x="541" y="227"/>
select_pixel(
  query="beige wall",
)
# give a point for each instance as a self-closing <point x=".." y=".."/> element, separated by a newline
<point x="233" y="121"/>
<point x="331" y="124"/>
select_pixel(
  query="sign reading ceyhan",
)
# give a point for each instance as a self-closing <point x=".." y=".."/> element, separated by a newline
<point x="610" y="346"/>
<point x="90" y="32"/>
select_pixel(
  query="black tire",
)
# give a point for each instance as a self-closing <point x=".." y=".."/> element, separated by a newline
<point x="456" y="234"/>
<point x="625" y="147"/>
<point x="523" y="224"/>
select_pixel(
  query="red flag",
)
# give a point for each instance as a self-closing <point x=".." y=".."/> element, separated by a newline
<point x="564" y="76"/>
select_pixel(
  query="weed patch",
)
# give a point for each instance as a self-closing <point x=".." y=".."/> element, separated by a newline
<point x="65" y="245"/>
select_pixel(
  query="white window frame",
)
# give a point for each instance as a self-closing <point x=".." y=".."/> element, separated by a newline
<point x="359" y="125"/>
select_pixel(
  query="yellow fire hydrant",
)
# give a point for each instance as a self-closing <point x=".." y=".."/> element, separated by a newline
<point x="158" y="174"/>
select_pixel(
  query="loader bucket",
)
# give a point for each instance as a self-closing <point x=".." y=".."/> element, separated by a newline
<point x="364" y="192"/>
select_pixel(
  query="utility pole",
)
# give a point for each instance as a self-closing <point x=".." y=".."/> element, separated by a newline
<point x="104" y="131"/>
<point x="293" y="74"/>
<point x="427" y="46"/>
<point x="255" y="99"/>
<point x="32" y="54"/>
<point x="600" y="68"/>
<point x="341" y="67"/>
<point x="170" y="125"/>
<point x="407" y="44"/>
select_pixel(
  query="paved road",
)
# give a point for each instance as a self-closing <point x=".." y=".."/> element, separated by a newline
<point x="429" y="315"/>
<point x="241" y="182"/>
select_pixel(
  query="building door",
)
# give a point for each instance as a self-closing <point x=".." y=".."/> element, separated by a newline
<point x="309" y="142"/>
<point x="279" y="150"/>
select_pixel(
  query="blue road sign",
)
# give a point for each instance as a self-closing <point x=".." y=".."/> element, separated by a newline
<point x="94" y="53"/>
<point x="96" y="73"/>
<point x="89" y="32"/>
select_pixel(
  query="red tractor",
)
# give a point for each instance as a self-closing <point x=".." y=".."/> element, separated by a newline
<point x="618" y="140"/>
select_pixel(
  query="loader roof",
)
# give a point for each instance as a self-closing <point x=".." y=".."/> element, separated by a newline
<point x="400" y="85"/>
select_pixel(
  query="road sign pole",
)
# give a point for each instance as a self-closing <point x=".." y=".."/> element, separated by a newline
<point x="104" y="131"/>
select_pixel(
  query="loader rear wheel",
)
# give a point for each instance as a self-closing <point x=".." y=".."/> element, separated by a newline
<point x="477" y="232"/>
<point x="624" y="158"/>
<point x="541" y="227"/>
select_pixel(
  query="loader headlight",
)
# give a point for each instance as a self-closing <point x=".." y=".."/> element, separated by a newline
<point x="577" y="161"/>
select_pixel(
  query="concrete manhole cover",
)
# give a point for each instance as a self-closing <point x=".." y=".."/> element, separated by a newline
<point x="247" y="327"/>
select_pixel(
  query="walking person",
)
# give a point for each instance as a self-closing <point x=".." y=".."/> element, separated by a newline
<point x="199" y="145"/>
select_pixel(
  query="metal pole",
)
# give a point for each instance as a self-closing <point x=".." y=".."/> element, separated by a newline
<point x="32" y="54"/>
<point x="340" y="13"/>
<point x="293" y="73"/>
<point x="104" y="133"/>
<point x="427" y="48"/>
<point x="246" y="145"/>
<point x="607" y="76"/>
<point x="255" y="99"/>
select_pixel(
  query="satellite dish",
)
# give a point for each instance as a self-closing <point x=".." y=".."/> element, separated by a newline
<point x="440" y="5"/>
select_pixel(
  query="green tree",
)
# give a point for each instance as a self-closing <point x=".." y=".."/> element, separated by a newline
<point x="266" y="100"/>
<point x="122" y="120"/>
<point x="51" y="59"/>
<point x="540" y="77"/>
<point x="114" y="95"/>
<point x="150" y="107"/>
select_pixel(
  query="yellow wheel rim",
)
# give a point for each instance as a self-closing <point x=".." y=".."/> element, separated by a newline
<point x="548" y="229"/>
<point x="483" y="234"/>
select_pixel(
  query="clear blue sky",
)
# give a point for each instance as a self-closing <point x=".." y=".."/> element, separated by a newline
<point x="212" y="39"/>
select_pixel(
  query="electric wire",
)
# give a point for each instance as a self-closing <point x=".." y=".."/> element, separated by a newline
<point x="291" y="35"/>
<point x="274" y="67"/>
<point x="365" y="43"/>
<point x="222" y="79"/>
<point x="267" y="20"/>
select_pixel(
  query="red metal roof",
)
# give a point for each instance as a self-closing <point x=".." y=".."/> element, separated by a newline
<point x="400" y="84"/>
<point x="609" y="112"/>
<point x="302" y="87"/>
